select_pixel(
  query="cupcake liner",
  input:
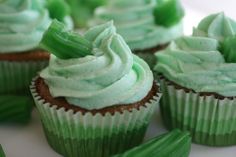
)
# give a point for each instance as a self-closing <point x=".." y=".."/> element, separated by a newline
<point x="16" y="76"/>
<point x="77" y="134"/>
<point x="211" y="121"/>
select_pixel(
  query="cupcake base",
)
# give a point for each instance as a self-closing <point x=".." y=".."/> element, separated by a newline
<point x="148" y="54"/>
<point x="18" y="69"/>
<point x="95" y="147"/>
<point x="74" y="131"/>
<point x="210" y="118"/>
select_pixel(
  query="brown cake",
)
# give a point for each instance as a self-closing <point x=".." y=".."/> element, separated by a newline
<point x="44" y="93"/>
<point x="35" y="55"/>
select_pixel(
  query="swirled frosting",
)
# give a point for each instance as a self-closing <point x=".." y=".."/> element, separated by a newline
<point x="134" y="20"/>
<point x="111" y="76"/>
<point x="22" y="23"/>
<point x="217" y="26"/>
<point x="196" y="63"/>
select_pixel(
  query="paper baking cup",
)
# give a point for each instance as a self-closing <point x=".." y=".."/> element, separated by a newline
<point x="87" y="135"/>
<point x="15" y="77"/>
<point x="211" y="121"/>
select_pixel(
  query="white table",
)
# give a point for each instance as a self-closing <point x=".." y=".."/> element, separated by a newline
<point x="29" y="141"/>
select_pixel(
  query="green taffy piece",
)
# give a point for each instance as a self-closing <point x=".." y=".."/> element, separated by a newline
<point x="15" y="109"/>
<point x="228" y="49"/>
<point x="173" y="144"/>
<point x="82" y="10"/>
<point x="58" y="9"/>
<point x="65" y="44"/>
<point x="2" y="154"/>
<point x="168" y="12"/>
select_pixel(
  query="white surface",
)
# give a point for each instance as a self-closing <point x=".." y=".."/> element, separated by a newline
<point x="29" y="141"/>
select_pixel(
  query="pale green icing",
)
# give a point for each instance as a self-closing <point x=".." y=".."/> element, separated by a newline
<point x="217" y="26"/>
<point x="196" y="63"/>
<point x="134" y="20"/>
<point x="112" y="76"/>
<point x="22" y="23"/>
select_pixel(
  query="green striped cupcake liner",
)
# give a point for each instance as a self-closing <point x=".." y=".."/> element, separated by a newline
<point x="93" y="135"/>
<point x="210" y="120"/>
<point x="16" y="77"/>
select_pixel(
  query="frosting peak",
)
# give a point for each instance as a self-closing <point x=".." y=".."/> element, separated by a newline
<point x="112" y="75"/>
<point x="135" y="21"/>
<point x="217" y="26"/>
<point x="22" y="23"/>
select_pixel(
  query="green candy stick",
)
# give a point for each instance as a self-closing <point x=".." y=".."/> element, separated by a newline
<point x="15" y="109"/>
<point x="2" y="154"/>
<point x="168" y="12"/>
<point x="228" y="49"/>
<point x="173" y="144"/>
<point x="82" y="10"/>
<point x="65" y="44"/>
<point x="58" y="9"/>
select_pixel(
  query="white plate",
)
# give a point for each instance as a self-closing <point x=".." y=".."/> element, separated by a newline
<point x="29" y="141"/>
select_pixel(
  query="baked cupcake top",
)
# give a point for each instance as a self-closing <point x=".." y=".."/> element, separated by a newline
<point x="22" y="23"/>
<point x="201" y="63"/>
<point x="136" y="21"/>
<point x="95" y="70"/>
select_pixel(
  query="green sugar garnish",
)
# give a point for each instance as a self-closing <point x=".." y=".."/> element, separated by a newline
<point x="168" y="12"/>
<point x="228" y="49"/>
<point x="65" y="44"/>
<point x="173" y="144"/>
<point x="58" y="9"/>
<point x="15" y="109"/>
<point x="82" y="10"/>
<point x="2" y="154"/>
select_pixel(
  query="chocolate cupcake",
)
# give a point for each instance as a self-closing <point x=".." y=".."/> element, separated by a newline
<point x="22" y="23"/>
<point x="198" y="83"/>
<point x="95" y="98"/>
<point x="146" y="25"/>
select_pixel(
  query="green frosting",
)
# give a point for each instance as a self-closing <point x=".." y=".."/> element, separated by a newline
<point x="196" y="63"/>
<point x="110" y="76"/>
<point x="22" y="23"/>
<point x="217" y="26"/>
<point x="135" y="21"/>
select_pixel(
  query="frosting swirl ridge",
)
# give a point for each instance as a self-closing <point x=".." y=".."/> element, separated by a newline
<point x="22" y="25"/>
<point x="217" y="26"/>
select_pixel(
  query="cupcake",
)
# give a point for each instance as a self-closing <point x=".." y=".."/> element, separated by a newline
<point x="22" y="23"/>
<point x="198" y="83"/>
<point x="146" y="25"/>
<point x="95" y="98"/>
